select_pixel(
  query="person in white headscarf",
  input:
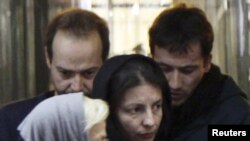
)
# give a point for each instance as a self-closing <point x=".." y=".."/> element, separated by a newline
<point x="66" y="118"/>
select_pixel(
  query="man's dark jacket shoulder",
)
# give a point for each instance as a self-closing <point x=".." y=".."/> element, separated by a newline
<point x="11" y="115"/>
<point x="232" y="108"/>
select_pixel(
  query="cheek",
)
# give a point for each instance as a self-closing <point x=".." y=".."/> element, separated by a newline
<point x="89" y="83"/>
<point x="191" y="81"/>
<point x="55" y="75"/>
<point x="57" y="78"/>
<point x="158" y="118"/>
<point x="58" y="81"/>
<point x="128" y="123"/>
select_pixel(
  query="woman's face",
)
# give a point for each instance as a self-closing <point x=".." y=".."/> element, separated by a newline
<point x="140" y="112"/>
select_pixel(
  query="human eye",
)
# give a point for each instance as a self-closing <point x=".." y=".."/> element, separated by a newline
<point x="65" y="73"/>
<point x="166" y="68"/>
<point x="188" y="70"/>
<point x="157" y="106"/>
<point x="135" y="110"/>
<point x="90" y="73"/>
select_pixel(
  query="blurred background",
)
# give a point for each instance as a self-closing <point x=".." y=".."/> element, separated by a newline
<point x="23" y="72"/>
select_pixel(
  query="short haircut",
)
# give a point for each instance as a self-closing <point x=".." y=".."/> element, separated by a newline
<point x="78" y="22"/>
<point x="175" y="29"/>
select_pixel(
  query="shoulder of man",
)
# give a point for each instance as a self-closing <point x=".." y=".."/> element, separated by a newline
<point x="12" y="114"/>
<point x="20" y="107"/>
<point x="234" y="103"/>
<point x="232" y="89"/>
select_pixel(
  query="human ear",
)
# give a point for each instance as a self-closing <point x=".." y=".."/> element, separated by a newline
<point x="208" y="62"/>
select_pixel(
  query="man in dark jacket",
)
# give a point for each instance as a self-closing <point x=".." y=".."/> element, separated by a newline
<point x="181" y="40"/>
<point x="77" y="44"/>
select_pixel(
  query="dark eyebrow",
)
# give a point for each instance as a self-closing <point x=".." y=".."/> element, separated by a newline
<point x="158" y="101"/>
<point x="183" y="67"/>
<point x="189" y="66"/>
<point x="163" y="64"/>
<point x="62" y="69"/>
<point x="92" y="68"/>
<point x="88" y="69"/>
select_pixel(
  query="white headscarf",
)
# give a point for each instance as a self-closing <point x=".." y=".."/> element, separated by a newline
<point x="59" y="118"/>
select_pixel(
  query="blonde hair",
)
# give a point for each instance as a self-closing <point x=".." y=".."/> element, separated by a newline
<point x="95" y="111"/>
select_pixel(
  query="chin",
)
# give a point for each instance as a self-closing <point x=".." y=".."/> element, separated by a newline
<point x="177" y="104"/>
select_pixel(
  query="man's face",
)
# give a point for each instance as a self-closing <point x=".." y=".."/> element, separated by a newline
<point x="75" y="62"/>
<point x="183" y="71"/>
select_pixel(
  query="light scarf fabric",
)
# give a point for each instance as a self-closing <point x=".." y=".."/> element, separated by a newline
<point x="60" y="118"/>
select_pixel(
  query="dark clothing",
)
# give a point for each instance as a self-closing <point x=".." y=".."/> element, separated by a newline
<point x="12" y="115"/>
<point x="217" y="100"/>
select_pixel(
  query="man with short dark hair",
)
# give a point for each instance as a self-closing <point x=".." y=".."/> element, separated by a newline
<point x="181" y="40"/>
<point x="77" y="44"/>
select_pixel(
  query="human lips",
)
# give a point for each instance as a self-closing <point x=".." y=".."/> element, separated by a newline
<point x="148" y="136"/>
<point x="176" y="96"/>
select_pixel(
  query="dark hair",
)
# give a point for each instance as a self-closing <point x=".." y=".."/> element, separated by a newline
<point x="121" y="73"/>
<point x="175" y="29"/>
<point x="133" y="73"/>
<point x="78" y="22"/>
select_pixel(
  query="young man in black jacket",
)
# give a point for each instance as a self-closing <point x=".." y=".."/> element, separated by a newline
<point x="181" y="40"/>
<point x="77" y="44"/>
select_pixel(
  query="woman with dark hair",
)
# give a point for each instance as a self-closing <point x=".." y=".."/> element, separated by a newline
<point x="138" y="96"/>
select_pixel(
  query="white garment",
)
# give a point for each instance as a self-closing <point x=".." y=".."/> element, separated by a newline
<point x="59" y="118"/>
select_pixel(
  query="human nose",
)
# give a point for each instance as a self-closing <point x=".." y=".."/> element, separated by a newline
<point x="77" y="84"/>
<point x="174" y="80"/>
<point x="149" y="120"/>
